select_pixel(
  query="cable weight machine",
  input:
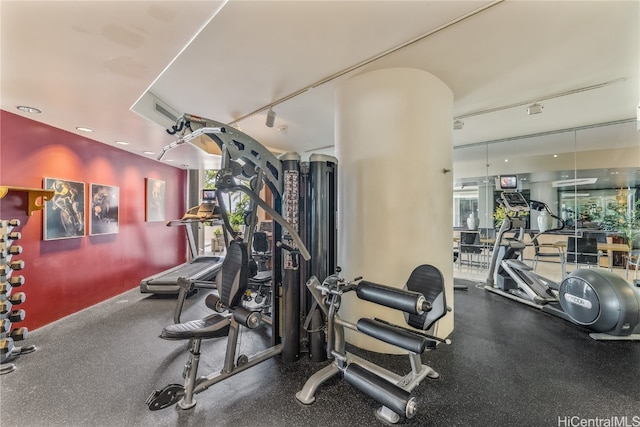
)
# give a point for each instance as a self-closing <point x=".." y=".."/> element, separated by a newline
<point x="244" y="159"/>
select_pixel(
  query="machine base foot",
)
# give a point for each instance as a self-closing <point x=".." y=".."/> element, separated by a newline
<point x="606" y="337"/>
<point x="7" y="368"/>
<point x="386" y="415"/>
<point x="169" y="395"/>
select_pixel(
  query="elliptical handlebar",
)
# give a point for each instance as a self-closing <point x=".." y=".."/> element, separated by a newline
<point x="507" y="226"/>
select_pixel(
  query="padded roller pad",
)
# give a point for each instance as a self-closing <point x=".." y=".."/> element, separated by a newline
<point x="391" y="335"/>
<point x="213" y="326"/>
<point x="399" y="299"/>
<point x="385" y="393"/>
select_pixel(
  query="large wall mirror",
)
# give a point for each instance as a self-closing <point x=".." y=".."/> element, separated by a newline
<point x="591" y="181"/>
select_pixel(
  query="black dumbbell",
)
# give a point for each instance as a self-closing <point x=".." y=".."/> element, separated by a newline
<point x="5" y="288"/>
<point x="16" y="265"/>
<point x="16" y="281"/>
<point x="17" y="316"/>
<point x="5" y="270"/>
<point x="5" y="307"/>
<point x="6" y="346"/>
<point x="17" y="298"/>
<point x="5" y="326"/>
<point x="11" y="223"/>
<point x="14" y="235"/>
<point x="11" y="250"/>
<point x="14" y="250"/>
<point x="19" y="334"/>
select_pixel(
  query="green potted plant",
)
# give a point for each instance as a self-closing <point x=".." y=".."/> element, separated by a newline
<point x="499" y="214"/>
<point x="623" y="220"/>
<point x="629" y="224"/>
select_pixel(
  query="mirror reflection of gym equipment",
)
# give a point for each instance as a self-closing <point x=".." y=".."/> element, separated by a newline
<point x="303" y="209"/>
<point x="597" y="300"/>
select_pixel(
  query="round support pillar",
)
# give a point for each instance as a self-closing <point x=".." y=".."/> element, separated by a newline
<point x="395" y="187"/>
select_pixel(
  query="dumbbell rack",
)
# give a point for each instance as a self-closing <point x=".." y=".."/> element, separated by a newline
<point x="9" y="299"/>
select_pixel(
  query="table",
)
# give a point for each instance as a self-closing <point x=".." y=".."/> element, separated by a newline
<point x="613" y="247"/>
<point x="602" y="247"/>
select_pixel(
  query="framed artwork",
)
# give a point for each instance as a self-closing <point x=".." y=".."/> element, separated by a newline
<point x="64" y="213"/>
<point x="105" y="201"/>
<point x="154" y="201"/>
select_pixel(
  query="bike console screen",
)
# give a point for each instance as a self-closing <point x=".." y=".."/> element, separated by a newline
<point x="515" y="201"/>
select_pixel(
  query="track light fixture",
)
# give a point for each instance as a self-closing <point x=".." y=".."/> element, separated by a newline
<point x="535" y="108"/>
<point x="271" y="118"/>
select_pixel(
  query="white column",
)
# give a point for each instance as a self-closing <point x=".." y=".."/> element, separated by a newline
<point x="393" y="144"/>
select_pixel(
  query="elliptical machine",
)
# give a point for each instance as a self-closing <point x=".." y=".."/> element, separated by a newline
<point x="598" y="300"/>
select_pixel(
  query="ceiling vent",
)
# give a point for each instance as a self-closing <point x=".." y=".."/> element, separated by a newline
<point x="152" y="108"/>
<point x="165" y="112"/>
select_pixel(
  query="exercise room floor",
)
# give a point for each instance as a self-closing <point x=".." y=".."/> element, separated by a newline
<point x="509" y="365"/>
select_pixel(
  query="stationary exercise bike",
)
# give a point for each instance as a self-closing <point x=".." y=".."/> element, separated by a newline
<point x="596" y="299"/>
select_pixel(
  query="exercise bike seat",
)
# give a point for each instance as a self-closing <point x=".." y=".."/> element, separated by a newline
<point x="231" y="283"/>
<point x="212" y="326"/>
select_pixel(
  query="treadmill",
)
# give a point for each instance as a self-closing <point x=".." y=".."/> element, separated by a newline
<point x="201" y="270"/>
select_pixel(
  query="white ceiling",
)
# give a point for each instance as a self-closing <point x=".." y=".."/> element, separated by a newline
<point x="95" y="64"/>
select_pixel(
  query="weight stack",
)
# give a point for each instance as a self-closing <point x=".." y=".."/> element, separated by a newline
<point x="9" y="299"/>
<point x="322" y="239"/>
<point x="291" y="285"/>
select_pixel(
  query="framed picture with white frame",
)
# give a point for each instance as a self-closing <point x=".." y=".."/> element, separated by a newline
<point x="64" y="213"/>
<point x="105" y="203"/>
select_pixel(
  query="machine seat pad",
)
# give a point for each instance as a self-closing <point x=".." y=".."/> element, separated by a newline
<point x="212" y="326"/>
<point x="393" y="335"/>
<point x="261" y="278"/>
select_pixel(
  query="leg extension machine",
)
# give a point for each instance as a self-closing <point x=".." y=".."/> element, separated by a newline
<point x="423" y="303"/>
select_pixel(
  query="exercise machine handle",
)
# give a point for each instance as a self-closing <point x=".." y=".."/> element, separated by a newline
<point x="293" y="251"/>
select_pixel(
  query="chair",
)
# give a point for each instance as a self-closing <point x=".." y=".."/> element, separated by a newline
<point x="546" y="252"/>
<point x="601" y="237"/>
<point x="260" y="280"/>
<point x="470" y="245"/>
<point x="261" y="252"/>
<point x="231" y="282"/>
<point x="583" y="250"/>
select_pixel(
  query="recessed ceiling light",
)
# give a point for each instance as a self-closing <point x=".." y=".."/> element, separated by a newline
<point x="506" y="160"/>
<point x="26" y="109"/>
<point x="148" y="152"/>
<point x="555" y="155"/>
<point x="122" y="142"/>
<point x="83" y="129"/>
<point x="168" y="160"/>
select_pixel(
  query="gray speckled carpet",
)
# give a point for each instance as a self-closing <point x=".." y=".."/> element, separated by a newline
<point x="508" y="365"/>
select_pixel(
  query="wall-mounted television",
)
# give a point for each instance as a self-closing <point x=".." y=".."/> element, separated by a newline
<point x="507" y="182"/>
<point x="208" y="195"/>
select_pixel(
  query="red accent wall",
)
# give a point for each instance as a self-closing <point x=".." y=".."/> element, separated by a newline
<point x="65" y="276"/>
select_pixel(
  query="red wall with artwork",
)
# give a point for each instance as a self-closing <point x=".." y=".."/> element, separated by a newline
<point x="67" y="275"/>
